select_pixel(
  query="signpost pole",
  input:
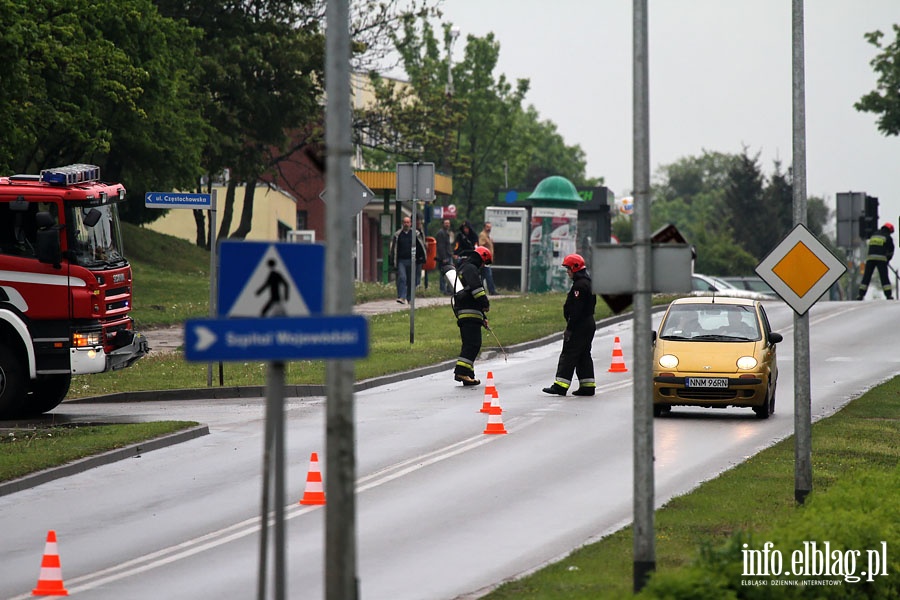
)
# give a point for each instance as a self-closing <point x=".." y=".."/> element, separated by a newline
<point x="275" y="408"/>
<point x="413" y="268"/>
<point x="213" y="280"/>
<point x="802" y="394"/>
<point x="341" y="579"/>
<point x="644" y="546"/>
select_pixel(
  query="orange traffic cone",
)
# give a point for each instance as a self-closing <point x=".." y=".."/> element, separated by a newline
<point x="495" y="421"/>
<point x="50" y="581"/>
<point x="618" y="359"/>
<point x="490" y="392"/>
<point x="314" y="492"/>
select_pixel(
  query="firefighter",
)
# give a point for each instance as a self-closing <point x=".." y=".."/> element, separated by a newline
<point x="470" y="305"/>
<point x="880" y="253"/>
<point x="575" y="358"/>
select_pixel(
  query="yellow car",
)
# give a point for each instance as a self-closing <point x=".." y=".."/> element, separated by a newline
<point x="715" y="352"/>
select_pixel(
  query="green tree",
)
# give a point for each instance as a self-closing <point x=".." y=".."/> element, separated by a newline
<point x="110" y="83"/>
<point x="884" y="100"/>
<point x="480" y="134"/>
<point x="728" y="209"/>
<point x="262" y="70"/>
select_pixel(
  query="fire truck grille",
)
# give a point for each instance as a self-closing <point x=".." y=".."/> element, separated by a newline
<point x="120" y="291"/>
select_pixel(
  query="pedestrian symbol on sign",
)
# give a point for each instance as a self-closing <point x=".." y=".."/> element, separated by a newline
<point x="270" y="291"/>
<point x="275" y="283"/>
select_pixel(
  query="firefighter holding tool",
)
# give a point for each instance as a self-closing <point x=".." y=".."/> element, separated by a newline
<point x="470" y="305"/>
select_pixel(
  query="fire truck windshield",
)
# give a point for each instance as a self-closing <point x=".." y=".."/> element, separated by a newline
<point x="96" y="235"/>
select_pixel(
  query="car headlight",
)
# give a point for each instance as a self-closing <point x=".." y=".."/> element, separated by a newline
<point x="746" y="363"/>
<point x="668" y="361"/>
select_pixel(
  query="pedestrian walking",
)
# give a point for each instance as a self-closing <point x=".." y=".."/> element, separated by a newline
<point x="470" y="305"/>
<point x="401" y="259"/>
<point x="444" y="254"/>
<point x="880" y="252"/>
<point x="485" y="239"/>
<point x="578" y="310"/>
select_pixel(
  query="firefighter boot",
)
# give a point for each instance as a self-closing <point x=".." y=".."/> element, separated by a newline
<point x="555" y="389"/>
<point x="466" y="380"/>
<point x="584" y="391"/>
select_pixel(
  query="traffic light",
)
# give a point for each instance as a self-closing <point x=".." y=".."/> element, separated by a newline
<point x="868" y="223"/>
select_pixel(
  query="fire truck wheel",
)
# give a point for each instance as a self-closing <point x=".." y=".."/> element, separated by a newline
<point x="12" y="383"/>
<point x="47" y="391"/>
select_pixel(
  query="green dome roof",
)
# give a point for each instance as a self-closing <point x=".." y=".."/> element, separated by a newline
<point x="555" y="188"/>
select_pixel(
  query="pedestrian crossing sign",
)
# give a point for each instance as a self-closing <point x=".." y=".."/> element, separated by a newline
<point x="266" y="279"/>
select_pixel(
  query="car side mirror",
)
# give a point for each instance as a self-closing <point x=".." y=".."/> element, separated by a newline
<point x="775" y="338"/>
<point x="653" y="337"/>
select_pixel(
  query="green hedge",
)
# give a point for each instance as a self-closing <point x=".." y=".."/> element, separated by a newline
<point x="858" y="519"/>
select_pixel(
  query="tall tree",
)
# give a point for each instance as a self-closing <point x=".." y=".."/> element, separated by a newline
<point x="884" y="100"/>
<point x="480" y="134"/>
<point x="728" y="209"/>
<point x="111" y="83"/>
<point x="263" y="64"/>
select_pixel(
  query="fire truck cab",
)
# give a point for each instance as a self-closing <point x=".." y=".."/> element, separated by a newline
<point x="65" y="286"/>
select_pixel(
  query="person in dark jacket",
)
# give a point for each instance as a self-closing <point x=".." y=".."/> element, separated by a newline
<point x="470" y="305"/>
<point x="575" y="358"/>
<point x="880" y="253"/>
<point x="400" y="255"/>
<point x="465" y="242"/>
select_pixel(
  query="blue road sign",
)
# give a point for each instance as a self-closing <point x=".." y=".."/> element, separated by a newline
<point x="271" y="279"/>
<point x="277" y="338"/>
<point x="178" y="200"/>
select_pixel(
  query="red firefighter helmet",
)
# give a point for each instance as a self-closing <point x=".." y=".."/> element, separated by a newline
<point x="575" y="262"/>
<point x="485" y="254"/>
<point x="889" y="227"/>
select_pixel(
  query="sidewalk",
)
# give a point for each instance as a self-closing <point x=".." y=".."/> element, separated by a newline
<point x="170" y="339"/>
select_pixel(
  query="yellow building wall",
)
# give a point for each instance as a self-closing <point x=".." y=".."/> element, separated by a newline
<point x="269" y="207"/>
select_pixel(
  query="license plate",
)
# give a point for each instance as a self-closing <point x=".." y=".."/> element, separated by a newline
<point x="706" y="382"/>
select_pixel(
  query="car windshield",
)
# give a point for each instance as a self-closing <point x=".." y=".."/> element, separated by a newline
<point x="710" y="322"/>
<point x="98" y="244"/>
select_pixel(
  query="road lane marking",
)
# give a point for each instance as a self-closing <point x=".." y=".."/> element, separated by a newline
<point x="251" y="526"/>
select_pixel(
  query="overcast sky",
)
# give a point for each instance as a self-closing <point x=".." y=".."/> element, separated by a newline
<point x="720" y="80"/>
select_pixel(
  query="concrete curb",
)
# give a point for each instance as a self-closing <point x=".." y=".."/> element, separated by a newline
<point x="132" y="451"/>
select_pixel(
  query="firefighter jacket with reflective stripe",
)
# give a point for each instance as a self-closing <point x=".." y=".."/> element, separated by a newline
<point x="580" y="301"/>
<point x="472" y="301"/>
<point x="881" y="246"/>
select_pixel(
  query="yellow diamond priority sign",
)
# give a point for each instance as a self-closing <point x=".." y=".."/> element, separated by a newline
<point x="800" y="269"/>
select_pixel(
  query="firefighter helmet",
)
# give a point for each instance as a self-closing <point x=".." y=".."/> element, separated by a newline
<point x="485" y="254"/>
<point x="575" y="262"/>
<point x="889" y="227"/>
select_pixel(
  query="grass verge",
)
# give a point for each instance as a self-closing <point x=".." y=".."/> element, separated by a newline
<point x="513" y="320"/>
<point x="24" y="451"/>
<point x="755" y="496"/>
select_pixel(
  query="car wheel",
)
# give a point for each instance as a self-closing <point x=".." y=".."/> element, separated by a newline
<point x="767" y="409"/>
<point x="660" y="410"/>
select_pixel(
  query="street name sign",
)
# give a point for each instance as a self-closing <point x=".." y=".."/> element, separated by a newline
<point x="801" y="269"/>
<point x="178" y="200"/>
<point x="276" y="338"/>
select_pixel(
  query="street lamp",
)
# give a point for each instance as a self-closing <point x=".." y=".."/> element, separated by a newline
<point x="454" y="33"/>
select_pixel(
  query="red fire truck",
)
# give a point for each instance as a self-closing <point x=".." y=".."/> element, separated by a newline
<point x="65" y="286"/>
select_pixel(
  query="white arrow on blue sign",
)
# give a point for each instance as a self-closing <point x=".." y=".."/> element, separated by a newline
<point x="276" y="338"/>
<point x="178" y="200"/>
